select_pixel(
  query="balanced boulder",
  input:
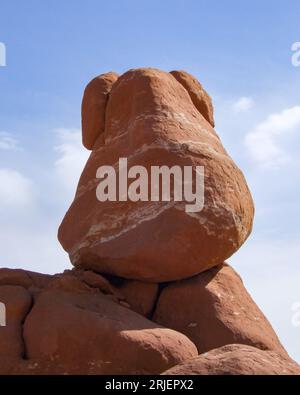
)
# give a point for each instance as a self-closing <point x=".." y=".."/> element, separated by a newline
<point x="152" y="119"/>
<point x="149" y="290"/>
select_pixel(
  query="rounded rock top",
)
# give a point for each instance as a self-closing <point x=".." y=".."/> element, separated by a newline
<point x="153" y="118"/>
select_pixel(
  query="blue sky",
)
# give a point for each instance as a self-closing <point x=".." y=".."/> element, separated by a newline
<point x="241" y="53"/>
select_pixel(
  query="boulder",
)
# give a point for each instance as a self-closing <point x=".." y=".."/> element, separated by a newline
<point x="87" y="333"/>
<point x="151" y="120"/>
<point x="237" y="359"/>
<point x="214" y="309"/>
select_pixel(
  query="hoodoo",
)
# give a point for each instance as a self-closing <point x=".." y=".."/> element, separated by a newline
<point x="150" y="292"/>
<point x="154" y="118"/>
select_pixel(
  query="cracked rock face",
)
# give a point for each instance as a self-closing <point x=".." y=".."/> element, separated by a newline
<point x="79" y="323"/>
<point x="155" y="118"/>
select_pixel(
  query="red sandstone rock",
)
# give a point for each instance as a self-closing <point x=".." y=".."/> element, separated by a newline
<point x="95" y="280"/>
<point x="17" y="301"/>
<point x="151" y="120"/>
<point x="74" y="328"/>
<point x="94" y="106"/>
<point x="68" y="283"/>
<point x="83" y="322"/>
<point x="140" y="296"/>
<point x="87" y="333"/>
<point x="18" y="366"/>
<point x="23" y="278"/>
<point x="199" y="96"/>
<point x="15" y="277"/>
<point x="237" y="359"/>
<point x="214" y="309"/>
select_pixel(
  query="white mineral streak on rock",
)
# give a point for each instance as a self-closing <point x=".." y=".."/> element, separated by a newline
<point x="138" y="216"/>
<point x="134" y="219"/>
<point x="110" y="140"/>
<point x="159" y="125"/>
<point x="214" y="211"/>
<point x="171" y="146"/>
<point x="181" y="117"/>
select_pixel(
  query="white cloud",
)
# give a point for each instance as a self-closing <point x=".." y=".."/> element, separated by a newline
<point x="270" y="270"/>
<point x="72" y="158"/>
<point x="262" y="141"/>
<point x="243" y="104"/>
<point x="8" y="142"/>
<point x="15" y="189"/>
<point x="37" y="246"/>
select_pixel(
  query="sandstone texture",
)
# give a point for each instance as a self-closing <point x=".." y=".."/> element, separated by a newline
<point x="151" y="120"/>
<point x="199" y="96"/>
<point x="92" y="332"/>
<point x="70" y="327"/>
<point x="149" y="292"/>
<point x="237" y="359"/>
<point x="140" y="296"/>
<point x="93" y="108"/>
<point x="214" y="309"/>
<point x="70" y="324"/>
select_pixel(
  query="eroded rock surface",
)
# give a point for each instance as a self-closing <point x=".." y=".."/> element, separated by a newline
<point x="70" y="327"/>
<point x="152" y="119"/>
<point x="149" y="289"/>
<point x="237" y="359"/>
<point x="214" y="309"/>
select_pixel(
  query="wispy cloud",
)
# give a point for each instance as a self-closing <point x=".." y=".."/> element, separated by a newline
<point x="8" y="142"/>
<point x="263" y="141"/>
<point x="16" y="189"/>
<point x="72" y="157"/>
<point x="243" y="104"/>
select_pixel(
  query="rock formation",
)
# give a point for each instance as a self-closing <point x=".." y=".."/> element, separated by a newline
<point x="237" y="359"/>
<point x="218" y="300"/>
<point x="151" y="119"/>
<point x="149" y="292"/>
